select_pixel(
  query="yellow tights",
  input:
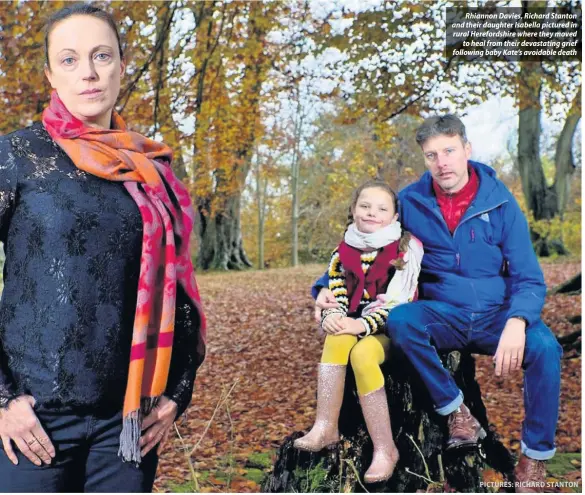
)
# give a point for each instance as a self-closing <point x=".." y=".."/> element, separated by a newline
<point x="366" y="356"/>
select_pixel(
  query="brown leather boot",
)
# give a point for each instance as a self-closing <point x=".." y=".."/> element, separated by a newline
<point x="464" y="429"/>
<point x="530" y="475"/>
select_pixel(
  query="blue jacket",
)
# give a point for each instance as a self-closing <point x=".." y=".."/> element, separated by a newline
<point x="487" y="263"/>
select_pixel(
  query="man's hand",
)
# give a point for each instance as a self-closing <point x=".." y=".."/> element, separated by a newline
<point x="510" y="350"/>
<point x="333" y="324"/>
<point x="325" y="300"/>
<point x="157" y="425"/>
<point x="352" y="327"/>
<point x="19" y="424"/>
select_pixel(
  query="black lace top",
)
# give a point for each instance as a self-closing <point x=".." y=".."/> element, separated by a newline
<point x="73" y="243"/>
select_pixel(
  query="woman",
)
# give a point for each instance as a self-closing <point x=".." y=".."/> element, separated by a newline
<point x="101" y="330"/>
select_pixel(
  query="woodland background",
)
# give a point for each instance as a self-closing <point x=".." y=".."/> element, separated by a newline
<point x="276" y="110"/>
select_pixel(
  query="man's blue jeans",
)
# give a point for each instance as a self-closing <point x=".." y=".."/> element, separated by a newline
<point x="421" y="328"/>
<point x="86" y="459"/>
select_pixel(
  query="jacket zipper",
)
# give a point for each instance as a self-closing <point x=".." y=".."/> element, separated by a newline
<point x="476" y="215"/>
<point x="472" y="233"/>
<point x="438" y="214"/>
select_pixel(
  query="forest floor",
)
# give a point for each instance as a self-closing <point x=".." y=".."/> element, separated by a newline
<point x="257" y="384"/>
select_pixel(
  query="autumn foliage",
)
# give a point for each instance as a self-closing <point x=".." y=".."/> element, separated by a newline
<point x="276" y="109"/>
<point x="265" y="342"/>
<point x="266" y="101"/>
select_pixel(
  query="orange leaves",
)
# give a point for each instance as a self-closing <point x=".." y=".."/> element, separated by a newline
<point x="261" y="330"/>
<point x="232" y="59"/>
<point x="200" y="93"/>
<point x="21" y="62"/>
<point x="245" y="486"/>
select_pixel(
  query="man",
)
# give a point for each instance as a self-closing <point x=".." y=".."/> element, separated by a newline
<point x="481" y="289"/>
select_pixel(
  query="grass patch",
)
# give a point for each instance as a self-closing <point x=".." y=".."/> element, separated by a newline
<point x="312" y="480"/>
<point x="187" y="487"/>
<point x="256" y="475"/>
<point x="255" y="469"/>
<point x="260" y="460"/>
<point x="257" y="466"/>
<point x="561" y="464"/>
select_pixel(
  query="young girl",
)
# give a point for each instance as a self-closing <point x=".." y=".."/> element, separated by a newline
<point x="375" y="268"/>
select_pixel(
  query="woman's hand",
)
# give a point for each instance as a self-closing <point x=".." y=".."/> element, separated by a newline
<point x="157" y="425"/>
<point x="325" y="300"/>
<point x="19" y="424"/>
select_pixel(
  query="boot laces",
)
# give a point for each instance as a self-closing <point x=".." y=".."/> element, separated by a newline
<point x="457" y="420"/>
<point x="535" y="469"/>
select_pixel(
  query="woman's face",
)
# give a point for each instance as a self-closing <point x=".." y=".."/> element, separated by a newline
<point x="373" y="210"/>
<point x="85" y="68"/>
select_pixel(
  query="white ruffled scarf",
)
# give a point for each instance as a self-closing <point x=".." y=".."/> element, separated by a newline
<point x="404" y="283"/>
<point x="374" y="240"/>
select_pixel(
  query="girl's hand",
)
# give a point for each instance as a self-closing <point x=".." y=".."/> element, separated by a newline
<point x="333" y="324"/>
<point x="352" y="327"/>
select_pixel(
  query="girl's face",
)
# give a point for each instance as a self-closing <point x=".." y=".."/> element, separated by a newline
<point x="373" y="210"/>
<point x="85" y="68"/>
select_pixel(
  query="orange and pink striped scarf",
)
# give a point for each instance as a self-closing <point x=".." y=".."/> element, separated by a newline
<point x="143" y="165"/>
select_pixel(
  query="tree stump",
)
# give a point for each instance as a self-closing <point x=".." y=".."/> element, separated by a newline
<point x="419" y="433"/>
<point x="571" y="287"/>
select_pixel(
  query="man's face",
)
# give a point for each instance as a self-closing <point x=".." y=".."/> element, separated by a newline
<point x="446" y="158"/>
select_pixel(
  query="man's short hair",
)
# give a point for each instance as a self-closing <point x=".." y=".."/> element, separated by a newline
<point x="447" y="125"/>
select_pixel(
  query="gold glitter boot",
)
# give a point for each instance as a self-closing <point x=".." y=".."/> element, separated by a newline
<point x="375" y="409"/>
<point x="330" y="387"/>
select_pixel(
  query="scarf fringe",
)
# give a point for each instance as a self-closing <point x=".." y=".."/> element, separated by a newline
<point x="129" y="449"/>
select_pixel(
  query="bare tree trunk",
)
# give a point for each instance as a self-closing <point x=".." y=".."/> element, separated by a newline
<point x="545" y="202"/>
<point x="261" y="246"/>
<point x="295" y="174"/>
<point x="220" y="238"/>
<point x="539" y="198"/>
<point x="260" y="237"/>
<point x="261" y="190"/>
<point x="565" y="166"/>
<point x="237" y="258"/>
<point x="295" y="217"/>
<point x="221" y="246"/>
